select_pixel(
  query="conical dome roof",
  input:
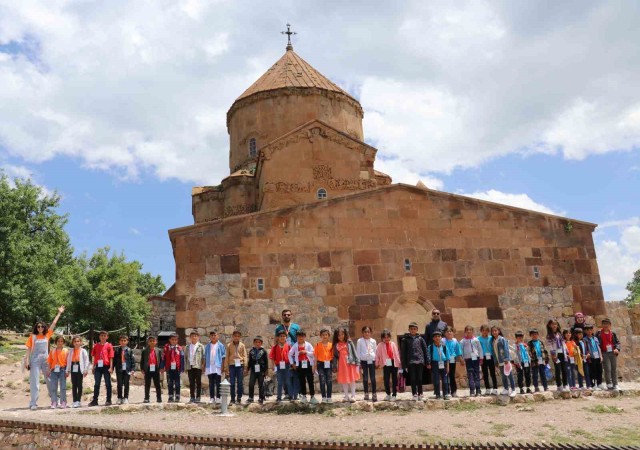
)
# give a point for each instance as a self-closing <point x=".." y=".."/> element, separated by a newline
<point x="291" y="71"/>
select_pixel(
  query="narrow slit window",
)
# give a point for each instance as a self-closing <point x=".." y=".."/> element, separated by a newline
<point x="536" y="272"/>
<point x="407" y="265"/>
<point x="321" y="194"/>
<point x="253" y="149"/>
<point x="260" y="284"/>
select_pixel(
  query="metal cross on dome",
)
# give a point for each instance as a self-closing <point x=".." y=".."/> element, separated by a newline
<point x="289" y="33"/>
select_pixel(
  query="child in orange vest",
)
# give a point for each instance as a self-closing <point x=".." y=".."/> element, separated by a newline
<point x="57" y="360"/>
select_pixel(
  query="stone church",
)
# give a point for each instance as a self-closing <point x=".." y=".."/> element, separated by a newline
<point x="305" y="221"/>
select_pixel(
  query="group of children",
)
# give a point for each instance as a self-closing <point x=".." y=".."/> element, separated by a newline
<point x="578" y="357"/>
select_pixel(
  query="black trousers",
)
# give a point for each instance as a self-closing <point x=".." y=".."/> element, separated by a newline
<point x="524" y="375"/>
<point x="489" y="370"/>
<point x="595" y="371"/>
<point x="453" y="387"/>
<point x="155" y="376"/>
<point x="390" y="373"/>
<point x="306" y="375"/>
<point x="415" y="378"/>
<point x="76" y="383"/>
<point x="214" y="385"/>
<point x="561" y="371"/>
<point x="122" y="380"/>
<point x="195" y="382"/>
<point x="259" y="377"/>
<point x="368" y="373"/>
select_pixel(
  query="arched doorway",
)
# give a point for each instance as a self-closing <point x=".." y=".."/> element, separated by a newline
<point x="405" y="309"/>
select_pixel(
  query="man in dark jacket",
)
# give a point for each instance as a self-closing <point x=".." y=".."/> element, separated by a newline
<point x="414" y="359"/>
<point x="435" y="324"/>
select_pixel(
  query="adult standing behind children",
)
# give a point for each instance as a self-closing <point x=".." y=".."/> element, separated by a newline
<point x="37" y="354"/>
<point x="435" y="325"/>
<point x="288" y="327"/>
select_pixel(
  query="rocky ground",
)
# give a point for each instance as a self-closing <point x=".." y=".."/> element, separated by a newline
<point x="587" y="419"/>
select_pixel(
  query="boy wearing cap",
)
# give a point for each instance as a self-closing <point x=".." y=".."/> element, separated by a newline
<point x="539" y="359"/>
<point x="594" y="357"/>
<point x="522" y="360"/>
<point x="439" y="365"/>
<point x="302" y="359"/>
<point x="214" y="356"/>
<point x="610" y="348"/>
<point x="257" y="369"/>
<point x="236" y="364"/>
<point x="415" y="358"/>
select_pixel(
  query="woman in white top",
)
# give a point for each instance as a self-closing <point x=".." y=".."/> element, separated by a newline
<point x="366" y="350"/>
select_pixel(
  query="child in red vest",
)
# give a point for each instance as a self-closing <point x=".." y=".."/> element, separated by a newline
<point x="173" y="364"/>
<point x="102" y="355"/>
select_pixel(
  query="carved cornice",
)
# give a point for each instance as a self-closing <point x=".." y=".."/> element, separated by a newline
<point x="239" y="104"/>
<point x="316" y="131"/>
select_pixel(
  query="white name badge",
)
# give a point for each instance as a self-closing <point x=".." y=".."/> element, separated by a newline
<point x="596" y="355"/>
<point x="75" y="368"/>
<point x="440" y="364"/>
<point x="173" y="365"/>
<point x="452" y="360"/>
<point x="560" y="351"/>
<point x="327" y="364"/>
<point x="526" y="364"/>
<point x="56" y="368"/>
<point x="387" y="362"/>
<point x="369" y="362"/>
<point x="283" y="365"/>
<point x="152" y="367"/>
<point x="609" y="348"/>
<point x="572" y="360"/>
<point x="474" y="358"/>
<point x="124" y="366"/>
<point x="304" y="364"/>
<point x="256" y="368"/>
<point x="237" y="362"/>
<point x="487" y="356"/>
<point x="100" y="363"/>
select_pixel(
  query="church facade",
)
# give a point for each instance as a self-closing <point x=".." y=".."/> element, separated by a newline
<point x="305" y="221"/>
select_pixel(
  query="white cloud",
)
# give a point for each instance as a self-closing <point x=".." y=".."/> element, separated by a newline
<point x="134" y="231"/>
<point x="617" y="263"/>
<point x="18" y="171"/>
<point x="518" y="200"/>
<point x="134" y="87"/>
<point x="401" y="172"/>
<point x="631" y="239"/>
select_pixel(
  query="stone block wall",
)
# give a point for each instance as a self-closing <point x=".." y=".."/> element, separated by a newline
<point x="163" y="312"/>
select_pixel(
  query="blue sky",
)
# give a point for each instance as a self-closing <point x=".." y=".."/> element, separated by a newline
<point x="121" y="107"/>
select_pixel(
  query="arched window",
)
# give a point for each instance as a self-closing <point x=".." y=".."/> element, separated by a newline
<point x="321" y="194"/>
<point x="253" y="150"/>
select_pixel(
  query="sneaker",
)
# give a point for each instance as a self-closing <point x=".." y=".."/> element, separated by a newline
<point x="512" y="393"/>
<point x="108" y="403"/>
<point x="537" y="389"/>
<point x="566" y="388"/>
<point x="420" y="397"/>
<point x="560" y="389"/>
<point x="193" y="400"/>
<point x="521" y="391"/>
<point x="374" y="398"/>
<point x="352" y="399"/>
<point x="54" y="405"/>
<point x="504" y="392"/>
<point x="170" y="399"/>
<point x="218" y="400"/>
<point x="415" y="398"/>
<point x="159" y="400"/>
<point x="455" y="394"/>
<point x="437" y="397"/>
<point x="366" y="397"/>
<point x="63" y="405"/>
<point x="212" y="401"/>
<point x="477" y="394"/>
<point x="303" y="399"/>
<point x="250" y="400"/>
<point x="146" y="400"/>
<point x="125" y="401"/>
<point x="494" y="391"/>
<point x="488" y="392"/>
<point x="324" y="400"/>
<point x="447" y="397"/>
<point x="33" y="407"/>
<point x="278" y="401"/>
<point x="198" y="400"/>
<point x="617" y="389"/>
<point x="387" y="398"/>
<point x="329" y="400"/>
<point x="261" y="402"/>
<point x="528" y="391"/>
<point x="119" y="401"/>
<point x="313" y="401"/>
<point x="394" y="398"/>
<point x="93" y="403"/>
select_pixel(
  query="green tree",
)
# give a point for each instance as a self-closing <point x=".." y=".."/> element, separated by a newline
<point x="111" y="292"/>
<point x="634" y="290"/>
<point x="34" y="251"/>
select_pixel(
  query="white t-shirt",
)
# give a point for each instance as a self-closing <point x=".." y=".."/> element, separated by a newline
<point x="212" y="368"/>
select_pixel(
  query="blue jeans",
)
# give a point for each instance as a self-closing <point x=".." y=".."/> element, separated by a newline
<point x="571" y="374"/>
<point x="587" y="376"/>
<point x="173" y="380"/>
<point x="473" y="374"/>
<point x="326" y="381"/>
<point x="284" y="379"/>
<point x="98" y="374"/>
<point x="437" y="376"/>
<point x="236" y="377"/>
<point x="57" y="379"/>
